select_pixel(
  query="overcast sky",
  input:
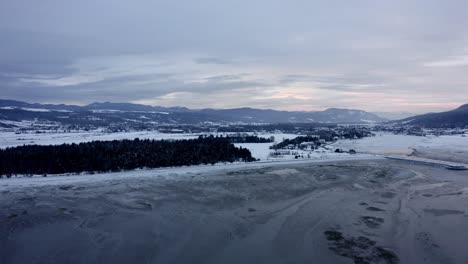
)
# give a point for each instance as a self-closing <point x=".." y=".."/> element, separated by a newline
<point x="397" y="55"/>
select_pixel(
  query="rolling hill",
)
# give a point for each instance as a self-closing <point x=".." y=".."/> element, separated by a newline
<point x="450" y="119"/>
<point x="16" y="113"/>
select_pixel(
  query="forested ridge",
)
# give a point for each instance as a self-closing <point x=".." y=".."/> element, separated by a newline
<point x="117" y="155"/>
<point x="248" y="139"/>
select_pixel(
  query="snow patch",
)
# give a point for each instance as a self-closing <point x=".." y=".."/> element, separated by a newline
<point x="284" y="172"/>
<point x="34" y="109"/>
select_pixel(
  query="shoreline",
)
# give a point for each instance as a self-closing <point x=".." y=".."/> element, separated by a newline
<point x="56" y="179"/>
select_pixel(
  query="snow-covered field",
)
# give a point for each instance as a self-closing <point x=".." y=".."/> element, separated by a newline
<point x="260" y="151"/>
<point x="10" y="139"/>
<point x="451" y="148"/>
<point x="442" y="147"/>
<point x="386" y="143"/>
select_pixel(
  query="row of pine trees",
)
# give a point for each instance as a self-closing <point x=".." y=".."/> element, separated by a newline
<point x="118" y="155"/>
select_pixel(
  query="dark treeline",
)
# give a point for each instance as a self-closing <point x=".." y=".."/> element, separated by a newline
<point x="248" y="139"/>
<point x="103" y="156"/>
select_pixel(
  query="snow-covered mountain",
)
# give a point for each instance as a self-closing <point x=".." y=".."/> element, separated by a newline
<point x="14" y="113"/>
<point x="450" y="119"/>
<point x="394" y="115"/>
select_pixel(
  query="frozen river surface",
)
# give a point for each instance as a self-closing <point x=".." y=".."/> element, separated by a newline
<point x="360" y="211"/>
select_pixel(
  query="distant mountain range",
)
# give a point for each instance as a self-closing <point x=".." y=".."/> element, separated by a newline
<point x="394" y="115"/>
<point x="16" y="113"/>
<point x="22" y="114"/>
<point x="450" y="119"/>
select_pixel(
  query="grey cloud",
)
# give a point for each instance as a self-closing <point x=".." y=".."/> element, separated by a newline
<point x="211" y="61"/>
<point x="227" y="77"/>
<point x="292" y="78"/>
<point x="335" y="46"/>
<point x="121" y="89"/>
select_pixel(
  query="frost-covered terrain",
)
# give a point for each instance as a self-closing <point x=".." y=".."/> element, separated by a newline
<point x="326" y="208"/>
<point x="361" y="211"/>
<point x="262" y="151"/>
<point x="159" y="173"/>
<point x="451" y="148"/>
<point x="9" y="139"/>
